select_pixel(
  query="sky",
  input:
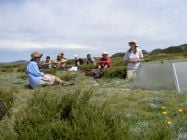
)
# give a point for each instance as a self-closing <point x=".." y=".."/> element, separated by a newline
<point x="88" y="26"/>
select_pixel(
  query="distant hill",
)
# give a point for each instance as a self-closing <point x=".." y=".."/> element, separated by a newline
<point x="19" y="62"/>
<point x="118" y="54"/>
<point x="173" y="49"/>
<point x="1" y="63"/>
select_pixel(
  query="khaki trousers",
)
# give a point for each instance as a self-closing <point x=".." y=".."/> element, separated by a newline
<point x="131" y="74"/>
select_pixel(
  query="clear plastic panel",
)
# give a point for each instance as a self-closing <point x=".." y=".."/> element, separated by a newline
<point x="155" y="77"/>
<point x="181" y="71"/>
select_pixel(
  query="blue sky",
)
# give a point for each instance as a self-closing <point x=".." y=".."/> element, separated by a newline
<point x="81" y="26"/>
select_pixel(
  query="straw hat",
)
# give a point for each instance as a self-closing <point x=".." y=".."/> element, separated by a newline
<point x="36" y="54"/>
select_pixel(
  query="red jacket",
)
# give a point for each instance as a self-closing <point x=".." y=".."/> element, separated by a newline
<point x="105" y="61"/>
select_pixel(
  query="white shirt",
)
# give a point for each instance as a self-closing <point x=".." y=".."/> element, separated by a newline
<point x="131" y="55"/>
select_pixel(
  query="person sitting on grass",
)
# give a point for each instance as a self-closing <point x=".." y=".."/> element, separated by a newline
<point x="57" y="63"/>
<point x="133" y="57"/>
<point x="105" y="61"/>
<point x="78" y="61"/>
<point x="90" y="60"/>
<point x="36" y="77"/>
<point x="63" y="60"/>
<point x="47" y="63"/>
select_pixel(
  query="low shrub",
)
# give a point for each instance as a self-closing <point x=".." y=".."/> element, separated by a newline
<point x="23" y="76"/>
<point x="115" y="72"/>
<point x="8" y="70"/>
<point x="21" y="68"/>
<point x="77" y="114"/>
<point x="73" y="116"/>
<point x="49" y="71"/>
<point x="87" y="66"/>
<point x="66" y="76"/>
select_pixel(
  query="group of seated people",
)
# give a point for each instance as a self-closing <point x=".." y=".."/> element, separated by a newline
<point x="61" y="61"/>
<point x="36" y="77"/>
<point x="133" y="58"/>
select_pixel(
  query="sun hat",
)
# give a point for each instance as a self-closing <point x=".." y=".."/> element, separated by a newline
<point x="104" y="52"/>
<point x="133" y="41"/>
<point x="36" y="54"/>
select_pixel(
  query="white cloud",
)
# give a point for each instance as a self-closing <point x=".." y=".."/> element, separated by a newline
<point x="26" y="45"/>
<point x="92" y="24"/>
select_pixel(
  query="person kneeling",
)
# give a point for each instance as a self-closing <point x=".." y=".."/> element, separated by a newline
<point x="36" y="77"/>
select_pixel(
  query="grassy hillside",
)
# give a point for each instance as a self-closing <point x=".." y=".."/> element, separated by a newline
<point x="103" y="108"/>
<point x="173" y="49"/>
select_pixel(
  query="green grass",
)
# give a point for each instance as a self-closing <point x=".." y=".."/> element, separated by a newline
<point x="92" y="109"/>
<point x="6" y="96"/>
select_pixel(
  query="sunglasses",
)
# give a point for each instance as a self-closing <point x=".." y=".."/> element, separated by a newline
<point x="132" y="43"/>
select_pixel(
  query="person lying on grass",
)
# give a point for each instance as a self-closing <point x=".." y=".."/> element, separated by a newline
<point x="36" y="77"/>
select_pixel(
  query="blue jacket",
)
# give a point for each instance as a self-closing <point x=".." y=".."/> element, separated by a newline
<point x="34" y="74"/>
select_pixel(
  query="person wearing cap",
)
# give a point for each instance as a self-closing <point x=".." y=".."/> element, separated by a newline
<point x="90" y="59"/>
<point x="36" y="77"/>
<point x="47" y="63"/>
<point x="78" y="61"/>
<point x="133" y="58"/>
<point x="105" y="61"/>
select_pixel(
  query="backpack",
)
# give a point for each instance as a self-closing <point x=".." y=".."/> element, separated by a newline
<point x="95" y="73"/>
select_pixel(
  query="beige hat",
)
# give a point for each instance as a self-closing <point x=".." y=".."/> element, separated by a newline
<point x="36" y="54"/>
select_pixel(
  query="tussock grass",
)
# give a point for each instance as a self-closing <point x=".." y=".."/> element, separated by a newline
<point x="85" y="67"/>
<point x="66" y="76"/>
<point x="6" y="102"/>
<point x="6" y="96"/>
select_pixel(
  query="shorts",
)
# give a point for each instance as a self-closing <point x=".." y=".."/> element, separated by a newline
<point x="47" y="79"/>
<point x="131" y="74"/>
